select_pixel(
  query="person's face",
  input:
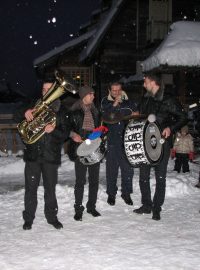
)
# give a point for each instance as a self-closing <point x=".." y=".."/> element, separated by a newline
<point x="183" y="133"/>
<point x="148" y="84"/>
<point x="46" y="87"/>
<point x="88" y="99"/>
<point x="116" y="90"/>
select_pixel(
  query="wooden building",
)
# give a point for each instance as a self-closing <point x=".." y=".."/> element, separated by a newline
<point x="120" y="34"/>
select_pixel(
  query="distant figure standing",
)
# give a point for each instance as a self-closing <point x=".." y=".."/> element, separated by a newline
<point x="183" y="150"/>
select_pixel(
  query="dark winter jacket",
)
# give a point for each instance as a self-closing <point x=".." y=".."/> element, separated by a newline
<point x="166" y="108"/>
<point x="48" y="147"/>
<point x="76" y="115"/>
<point x="116" y="131"/>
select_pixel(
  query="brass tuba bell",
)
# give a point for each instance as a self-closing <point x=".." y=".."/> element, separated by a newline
<point x="43" y="115"/>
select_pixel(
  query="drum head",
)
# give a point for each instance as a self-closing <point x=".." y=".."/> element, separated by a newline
<point x="88" y="147"/>
<point x="153" y="147"/>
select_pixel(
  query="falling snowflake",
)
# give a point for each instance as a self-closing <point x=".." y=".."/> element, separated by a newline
<point x="53" y="20"/>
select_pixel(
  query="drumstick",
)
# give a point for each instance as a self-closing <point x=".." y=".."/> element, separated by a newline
<point x="113" y="118"/>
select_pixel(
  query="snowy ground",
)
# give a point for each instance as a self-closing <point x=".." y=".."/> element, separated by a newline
<point x="117" y="240"/>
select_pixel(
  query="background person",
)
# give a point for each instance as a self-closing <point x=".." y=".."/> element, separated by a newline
<point x="183" y="150"/>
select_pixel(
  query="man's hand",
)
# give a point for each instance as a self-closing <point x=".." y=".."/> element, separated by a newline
<point x="29" y="115"/>
<point x="166" y="132"/>
<point x="135" y="113"/>
<point x="118" y="100"/>
<point x="76" y="138"/>
<point x="49" y="128"/>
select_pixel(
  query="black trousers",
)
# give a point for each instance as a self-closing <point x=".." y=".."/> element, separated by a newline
<point x="115" y="159"/>
<point x="160" y="175"/>
<point x="33" y="173"/>
<point x="182" y="161"/>
<point x="93" y="179"/>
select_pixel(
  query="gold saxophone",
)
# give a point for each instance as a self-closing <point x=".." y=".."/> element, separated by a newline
<point x="43" y="115"/>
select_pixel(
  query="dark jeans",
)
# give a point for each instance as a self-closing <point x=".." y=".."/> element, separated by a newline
<point x="182" y="161"/>
<point x="160" y="175"/>
<point x="33" y="172"/>
<point x="115" y="159"/>
<point x="93" y="179"/>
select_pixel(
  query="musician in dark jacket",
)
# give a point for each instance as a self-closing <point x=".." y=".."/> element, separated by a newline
<point x="43" y="157"/>
<point x="84" y="118"/>
<point x="171" y="117"/>
<point x="117" y="103"/>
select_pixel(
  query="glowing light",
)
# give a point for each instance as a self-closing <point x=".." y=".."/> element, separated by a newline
<point x="35" y="42"/>
<point x="88" y="141"/>
<point x="71" y="35"/>
<point x="30" y="36"/>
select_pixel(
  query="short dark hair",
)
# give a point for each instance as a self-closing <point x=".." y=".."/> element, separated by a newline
<point x="154" y="77"/>
<point x="115" y="83"/>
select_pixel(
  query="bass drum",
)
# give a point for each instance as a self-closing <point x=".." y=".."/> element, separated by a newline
<point x="91" y="151"/>
<point x="143" y="143"/>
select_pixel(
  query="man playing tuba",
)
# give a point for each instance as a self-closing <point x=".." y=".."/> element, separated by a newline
<point x="42" y="158"/>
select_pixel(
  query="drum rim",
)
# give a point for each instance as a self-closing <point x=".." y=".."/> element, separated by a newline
<point x="151" y="162"/>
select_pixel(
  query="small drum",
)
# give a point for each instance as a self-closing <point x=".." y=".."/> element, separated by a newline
<point x="91" y="151"/>
<point x="143" y="143"/>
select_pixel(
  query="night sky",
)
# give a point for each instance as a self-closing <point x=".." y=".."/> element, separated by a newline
<point x="31" y="28"/>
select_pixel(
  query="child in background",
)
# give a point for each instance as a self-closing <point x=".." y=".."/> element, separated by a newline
<point x="183" y="150"/>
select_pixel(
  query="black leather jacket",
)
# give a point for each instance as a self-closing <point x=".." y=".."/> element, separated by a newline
<point x="166" y="108"/>
<point x="76" y="122"/>
<point x="48" y="147"/>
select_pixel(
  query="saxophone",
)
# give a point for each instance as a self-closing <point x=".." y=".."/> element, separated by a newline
<point x="43" y="115"/>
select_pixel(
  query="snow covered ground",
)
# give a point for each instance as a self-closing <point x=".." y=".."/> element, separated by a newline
<point x="117" y="240"/>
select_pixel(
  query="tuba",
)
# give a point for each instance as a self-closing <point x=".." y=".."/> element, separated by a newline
<point x="43" y="115"/>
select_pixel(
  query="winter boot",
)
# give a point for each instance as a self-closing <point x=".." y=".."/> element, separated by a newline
<point x="143" y="210"/>
<point x="78" y="212"/>
<point x="56" y="224"/>
<point x="27" y="225"/>
<point x="127" y="199"/>
<point x="94" y="212"/>
<point x="111" y="200"/>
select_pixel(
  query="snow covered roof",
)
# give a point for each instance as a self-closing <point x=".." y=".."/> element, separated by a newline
<point x="181" y="47"/>
<point x="62" y="48"/>
<point x="105" y="23"/>
<point x="94" y="37"/>
<point x="132" y="78"/>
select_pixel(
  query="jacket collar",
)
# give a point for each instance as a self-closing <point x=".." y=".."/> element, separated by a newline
<point x="110" y="98"/>
<point x="158" y="96"/>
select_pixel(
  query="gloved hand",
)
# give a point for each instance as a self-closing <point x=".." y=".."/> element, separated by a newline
<point x="191" y="156"/>
<point x="173" y="153"/>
